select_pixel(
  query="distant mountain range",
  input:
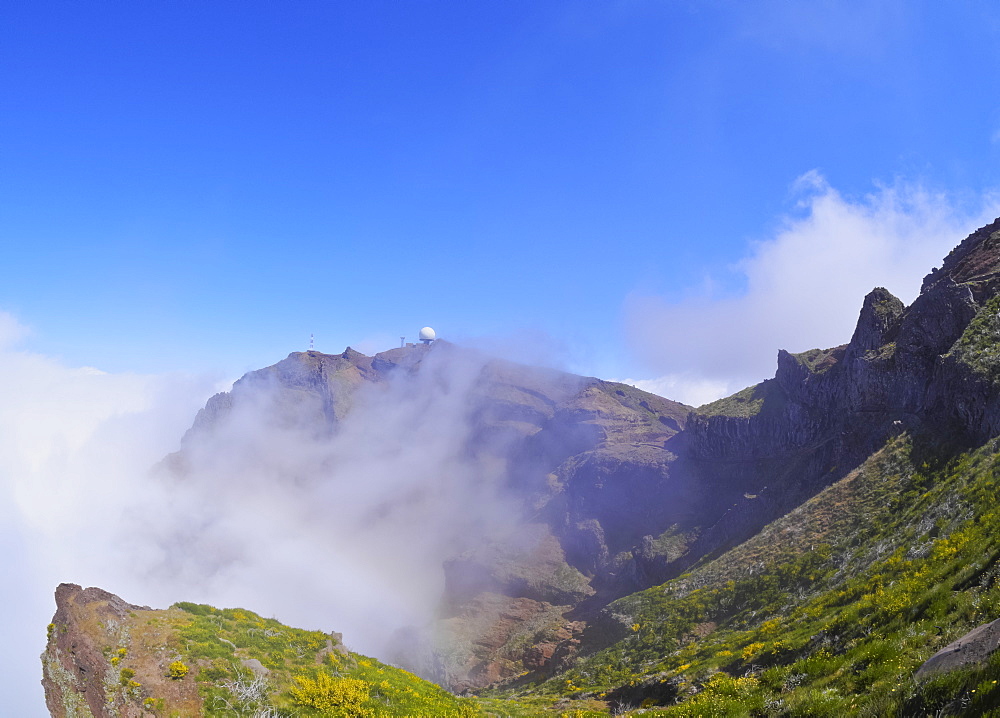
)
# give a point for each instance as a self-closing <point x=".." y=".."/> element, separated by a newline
<point x="798" y="548"/>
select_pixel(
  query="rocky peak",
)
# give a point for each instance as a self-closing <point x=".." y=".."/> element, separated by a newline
<point x="879" y="314"/>
<point x="356" y="358"/>
<point x="827" y="410"/>
<point x="89" y="664"/>
<point x="976" y="259"/>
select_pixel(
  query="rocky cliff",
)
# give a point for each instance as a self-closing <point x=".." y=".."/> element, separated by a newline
<point x="106" y="657"/>
<point x="926" y="368"/>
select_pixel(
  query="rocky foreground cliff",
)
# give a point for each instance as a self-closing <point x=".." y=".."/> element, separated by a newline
<point x="106" y="657"/>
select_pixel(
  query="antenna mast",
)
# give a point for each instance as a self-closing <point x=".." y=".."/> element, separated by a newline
<point x="312" y="343"/>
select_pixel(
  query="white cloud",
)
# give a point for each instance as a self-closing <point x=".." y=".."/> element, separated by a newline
<point x="74" y="443"/>
<point x="687" y="389"/>
<point x="343" y="532"/>
<point x="804" y="285"/>
<point x="11" y="330"/>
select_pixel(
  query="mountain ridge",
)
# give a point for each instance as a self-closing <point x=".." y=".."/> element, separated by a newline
<point x="635" y="488"/>
<point x="621" y="497"/>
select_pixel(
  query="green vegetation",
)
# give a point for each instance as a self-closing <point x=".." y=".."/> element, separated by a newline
<point x="765" y="397"/>
<point x="830" y="611"/>
<point x="309" y="673"/>
<point x="300" y="672"/>
<point x="979" y="345"/>
<point x="326" y="694"/>
<point x="818" y="361"/>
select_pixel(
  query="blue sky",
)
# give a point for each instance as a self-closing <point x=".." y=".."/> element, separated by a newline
<point x="199" y="186"/>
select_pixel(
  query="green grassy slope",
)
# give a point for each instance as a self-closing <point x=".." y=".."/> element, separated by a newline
<point x="829" y="611"/>
<point x="309" y="673"/>
<point x="195" y="660"/>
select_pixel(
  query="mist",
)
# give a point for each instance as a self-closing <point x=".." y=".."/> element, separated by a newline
<point x="339" y="528"/>
<point x="75" y="446"/>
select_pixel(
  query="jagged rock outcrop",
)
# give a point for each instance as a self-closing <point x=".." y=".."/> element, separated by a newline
<point x="825" y="411"/>
<point x="96" y="663"/>
<point x="880" y="312"/>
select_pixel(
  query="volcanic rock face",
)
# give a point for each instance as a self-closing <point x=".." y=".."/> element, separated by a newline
<point x="620" y="489"/>
<point x="913" y="368"/>
<point x="96" y="665"/>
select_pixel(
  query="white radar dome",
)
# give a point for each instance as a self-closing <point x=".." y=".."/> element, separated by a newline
<point x="427" y="335"/>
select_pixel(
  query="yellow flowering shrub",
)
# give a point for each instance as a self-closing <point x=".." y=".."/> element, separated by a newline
<point x="330" y="695"/>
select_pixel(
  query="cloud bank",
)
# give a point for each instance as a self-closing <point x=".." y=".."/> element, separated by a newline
<point x="343" y="531"/>
<point x="74" y="443"/>
<point x="803" y="286"/>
